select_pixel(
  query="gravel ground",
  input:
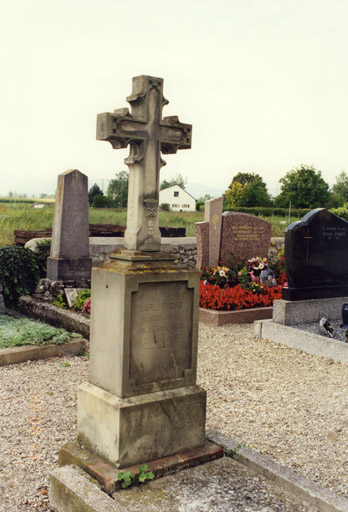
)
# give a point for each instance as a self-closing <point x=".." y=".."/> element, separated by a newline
<point x="286" y="404"/>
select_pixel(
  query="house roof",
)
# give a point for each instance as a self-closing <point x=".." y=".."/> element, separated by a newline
<point x="178" y="186"/>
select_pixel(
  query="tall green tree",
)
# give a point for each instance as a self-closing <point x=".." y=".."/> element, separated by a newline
<point x="118" y="189"/>
<point x="95" y="190"/>
<point x="178" y="179"/>
<point x="304" y="188"/>
<point x="247" y="189"/>
<point x="340" y="189"/>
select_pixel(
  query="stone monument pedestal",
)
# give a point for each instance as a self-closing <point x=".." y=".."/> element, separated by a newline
<point x="141" y="401"/>
<point x="65" y="269"/>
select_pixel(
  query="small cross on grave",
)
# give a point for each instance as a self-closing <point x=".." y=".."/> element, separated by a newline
<point x="147" y="134"/>
<point x="307" y="239"/>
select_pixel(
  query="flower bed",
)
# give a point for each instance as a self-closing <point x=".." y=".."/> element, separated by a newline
<point x="245" y="284"/>
<point x="227" y="299"/>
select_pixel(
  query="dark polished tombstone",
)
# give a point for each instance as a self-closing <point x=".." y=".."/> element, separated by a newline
<point x="316" y="257"/>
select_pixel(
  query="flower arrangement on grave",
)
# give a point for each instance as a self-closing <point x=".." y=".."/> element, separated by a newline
<point x="243" y="284"/>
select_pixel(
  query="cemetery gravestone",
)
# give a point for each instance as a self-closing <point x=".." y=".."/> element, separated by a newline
<point x="240" y="233"/>
<point x="141" y="401"/>
<point x="213" y="212"/>
<point x="245" y="235"/>
<point x="69" y="259"/>
<point x="147" y="134"/>
<point x="316" y="257"/>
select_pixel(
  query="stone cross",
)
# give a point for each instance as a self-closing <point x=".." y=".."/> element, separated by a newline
<point x="147" y="134"/>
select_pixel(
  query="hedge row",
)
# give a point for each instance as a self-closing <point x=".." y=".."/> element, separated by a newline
<point x="270" y="211"/>
<point x="18" y="200"/>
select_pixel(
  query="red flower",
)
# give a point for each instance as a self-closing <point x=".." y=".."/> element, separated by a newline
<point x="214" y="297"/>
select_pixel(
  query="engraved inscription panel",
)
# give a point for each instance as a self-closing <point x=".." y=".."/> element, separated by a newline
<point x="161" y="332"/>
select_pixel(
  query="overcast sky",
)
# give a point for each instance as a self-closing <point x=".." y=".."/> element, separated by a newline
<point x="263" y="82"/>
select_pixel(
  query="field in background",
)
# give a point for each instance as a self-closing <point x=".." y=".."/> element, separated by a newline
<point x="24" y="216"/>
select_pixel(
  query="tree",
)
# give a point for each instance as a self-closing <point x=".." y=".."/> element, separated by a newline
<point x="304" y="188"/>
<point x="94" y="191"/>
<point x="247" y="190"/>
<point x="340" y="189"/>
<point x="118" y="189"/>
<point x="178" y="179"/>
<point x="100" y="201"/>
<point x="204" y="198"/>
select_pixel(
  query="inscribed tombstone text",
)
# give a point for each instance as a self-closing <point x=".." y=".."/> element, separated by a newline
<point x="244" y="235"/>
<point x="161" y="328"/>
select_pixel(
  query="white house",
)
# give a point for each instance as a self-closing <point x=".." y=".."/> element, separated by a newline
<point x="178" y="199"/>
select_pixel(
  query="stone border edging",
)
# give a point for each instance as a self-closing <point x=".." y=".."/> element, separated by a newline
<point x="15" y="355"/>
<point x="324" y="499"/>
<point x="72" y="489"/>
<point x="242" y="316"/>
<point x="309" y="342"/>
<point x="47" y="312"/>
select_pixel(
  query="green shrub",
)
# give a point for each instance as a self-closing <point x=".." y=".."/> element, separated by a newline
<point x="340" y="212"/>
<point x="43" y="252"/>
<point x="81" y="298"/>
<point x="19" y="273"/>
<point x="59" y="302"/>
<point x="200" y="206"/>
<point x="270" y="211"/>
<point x="164" y="207"/>
<point x="101" y="201"/>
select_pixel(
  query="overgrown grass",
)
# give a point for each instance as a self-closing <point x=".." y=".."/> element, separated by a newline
<point x="15" y="332"/>
<point x="25" y="217"/>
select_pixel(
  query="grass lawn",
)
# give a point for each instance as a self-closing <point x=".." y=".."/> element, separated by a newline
<point x="24" y="217"/>
<point x="15" y="332"/>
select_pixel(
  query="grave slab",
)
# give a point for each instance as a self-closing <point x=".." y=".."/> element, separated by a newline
<point x="222" y="485"/>
<point x="302" y="340"/>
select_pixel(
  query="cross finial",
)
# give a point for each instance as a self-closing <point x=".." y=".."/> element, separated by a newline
<point x="147" y="134"/>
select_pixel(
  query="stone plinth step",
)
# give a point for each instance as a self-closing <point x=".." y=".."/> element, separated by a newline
<point x="107" y="474"/>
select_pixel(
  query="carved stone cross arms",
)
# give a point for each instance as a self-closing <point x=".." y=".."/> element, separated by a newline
<point x="147" y="134"/>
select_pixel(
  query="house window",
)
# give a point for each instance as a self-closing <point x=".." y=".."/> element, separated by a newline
<point x="175" y="205"/>
<point x="176" y="193"/>
<point x="185" y="206"/>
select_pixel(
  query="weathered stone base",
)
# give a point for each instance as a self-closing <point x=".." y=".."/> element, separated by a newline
<point x="243" y="316"/>
<point x="65" y="269"/>
<point x="107" y="474"/>
<point x="129" y="431"/>
<point x="288" y="312"/>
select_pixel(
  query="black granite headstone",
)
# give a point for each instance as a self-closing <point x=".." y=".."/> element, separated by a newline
<point x="316" y="257"/>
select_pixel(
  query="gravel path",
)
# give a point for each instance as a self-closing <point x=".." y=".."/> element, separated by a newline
<point x="284" y="403"/>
